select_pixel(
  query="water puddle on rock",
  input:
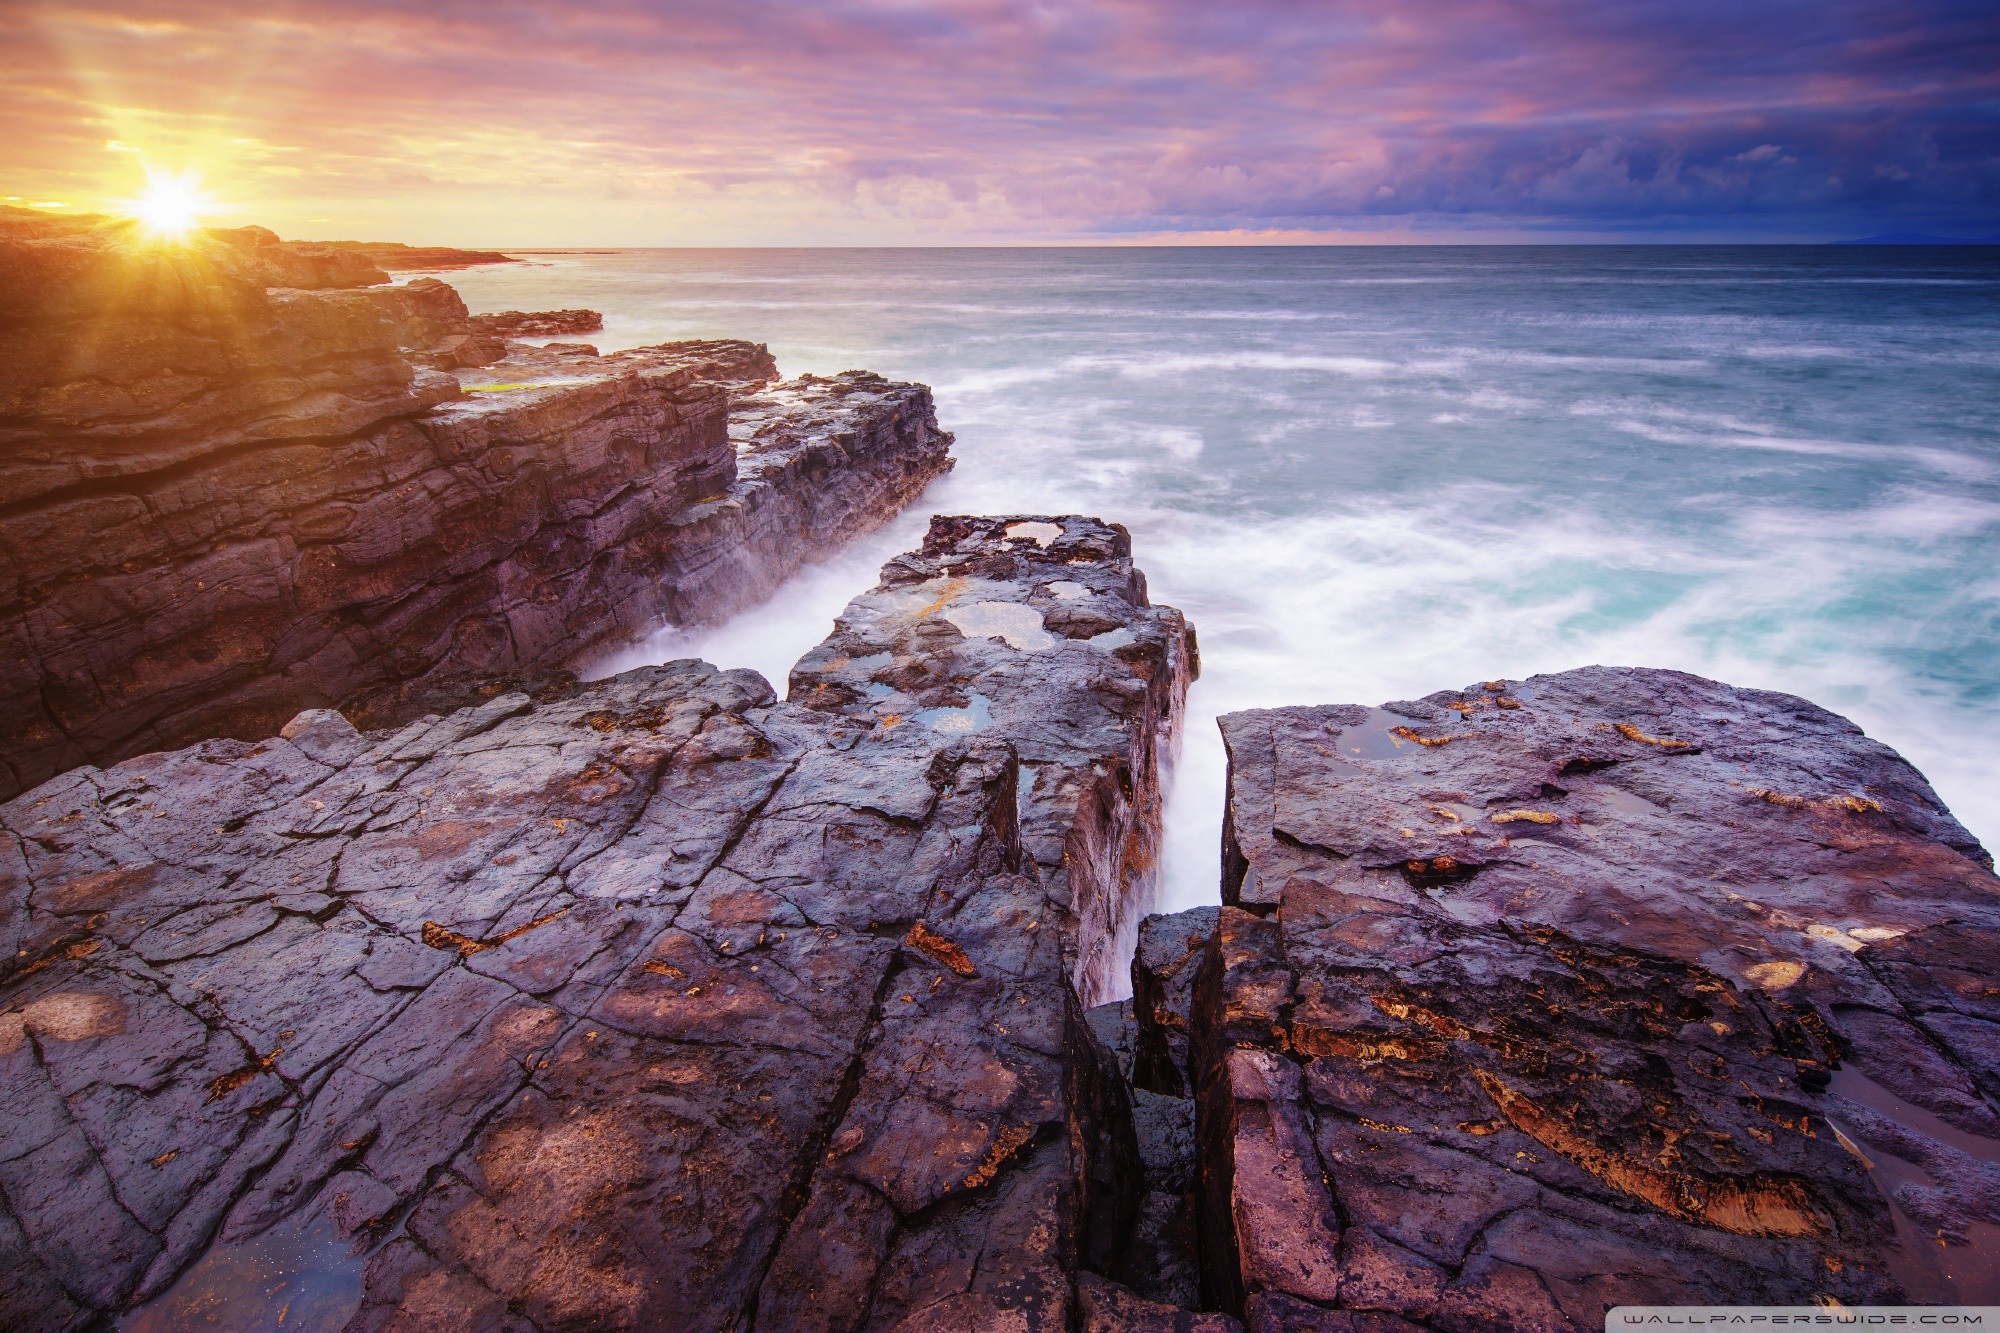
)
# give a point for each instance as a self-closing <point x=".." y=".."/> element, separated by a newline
<point x="1377" y="739"/>
<point x="1018" y="625"/>
<point x="1041" y="534"/>
<point x="290" y="1277"/>
<point x="1929" y="1269"/>
<point x="975" y="716"/>
<point x="1617" y="799"/>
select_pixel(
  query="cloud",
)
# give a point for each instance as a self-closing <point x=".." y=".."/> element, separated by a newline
<point x="657" y="121"/>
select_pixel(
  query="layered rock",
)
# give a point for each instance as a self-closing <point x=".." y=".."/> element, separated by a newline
<point x="540" y="323"/>
<point x="1609" y="987"/>
<point x="221" y="502"/>
<point x="652" y="1003"/>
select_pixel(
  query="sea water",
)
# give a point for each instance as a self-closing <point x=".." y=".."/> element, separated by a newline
<point x="1371" y="473"/>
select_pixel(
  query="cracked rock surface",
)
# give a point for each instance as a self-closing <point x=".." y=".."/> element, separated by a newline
<point x="237" y="480"/>
<point x="1608" y="987"/>
<point x="651" y="1003"/>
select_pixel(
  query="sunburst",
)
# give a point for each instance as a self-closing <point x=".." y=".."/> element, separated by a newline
<point x="172" y="207"/>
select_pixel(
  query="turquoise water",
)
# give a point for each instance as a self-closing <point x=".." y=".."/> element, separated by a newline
<point x="1367" y="474"/>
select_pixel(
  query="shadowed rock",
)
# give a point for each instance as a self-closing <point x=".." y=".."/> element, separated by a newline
<point x="1526" y="1001"/>
<point x="653" y="1003"/>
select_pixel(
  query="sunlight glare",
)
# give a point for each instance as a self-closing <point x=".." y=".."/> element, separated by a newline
<point x="171" y="206"/>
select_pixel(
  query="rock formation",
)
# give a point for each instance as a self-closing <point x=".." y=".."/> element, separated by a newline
<point x="222" y="501"/>
<point x="1609" y="987"/>
<point x="400" y="258"/>
<point x="652" y="1003"/>
<point x="540" y="323"/>
<point x="428" y="988"/>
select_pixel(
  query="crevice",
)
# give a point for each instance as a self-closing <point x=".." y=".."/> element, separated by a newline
<point x="798" y="1188"/>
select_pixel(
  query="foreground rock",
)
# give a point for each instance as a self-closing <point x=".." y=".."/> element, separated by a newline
<point x="1610" y="987"/>
<point x="654" y="1003"/>
<point x="226" y="501"/>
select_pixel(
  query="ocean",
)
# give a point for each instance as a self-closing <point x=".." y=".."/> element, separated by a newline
<point x="1371" y="473"/>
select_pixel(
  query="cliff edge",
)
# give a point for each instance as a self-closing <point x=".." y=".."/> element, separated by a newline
<point x="241" y="477"/>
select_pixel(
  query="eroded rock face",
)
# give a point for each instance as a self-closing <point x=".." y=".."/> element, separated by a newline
<point x="1542" y="997"/>
<point x="1040" y="630"/>
<point x="222" y="503"/>
<point x="653" y="1003"/>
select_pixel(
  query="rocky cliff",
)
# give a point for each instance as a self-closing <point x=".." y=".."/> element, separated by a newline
<point x="224" y="498"/>
<point x="1610" y="987"/>
<point x="452" y="993"/>
<point x="653" y="1003"/>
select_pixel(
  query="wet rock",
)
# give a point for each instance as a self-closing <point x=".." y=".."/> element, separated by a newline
<point x="1527" y="998"/>
<point x="653" y="1003"/>
<point x="1108" y="1307"/>
<point x="227" y="502"/>
<point x="1164" y="966"/>
<point x="954" y="643"/>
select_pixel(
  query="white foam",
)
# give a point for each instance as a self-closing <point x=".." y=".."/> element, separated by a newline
<point x="1361" y="491"/>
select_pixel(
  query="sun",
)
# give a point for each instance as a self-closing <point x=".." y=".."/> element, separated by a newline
<point x="171" y="206"/>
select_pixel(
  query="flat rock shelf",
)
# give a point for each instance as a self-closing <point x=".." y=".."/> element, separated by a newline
<point x="1607" y="987"/>
<point x="653" y="1003"/>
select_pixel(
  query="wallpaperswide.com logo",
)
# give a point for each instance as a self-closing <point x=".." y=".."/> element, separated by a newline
<point x="1630" y="1318"/>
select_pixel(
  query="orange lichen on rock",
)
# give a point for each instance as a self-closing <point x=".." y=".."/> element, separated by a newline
<point x="952" y="588"/>
<point x="1632" y="733"/>
<point x="440" y="937"/>
<point x="1853" y="805"/>
<point x="1747" y="1206"/>
<point x="225" y="1084"/>
<point x="1426" y="1019"/>
<point x="1429" y="742"/>
<point x="1005" y="1146"/>
<point x="1526" y="817"/>
<point x="1364" y="1046"/>
<point x="928" y="942"/>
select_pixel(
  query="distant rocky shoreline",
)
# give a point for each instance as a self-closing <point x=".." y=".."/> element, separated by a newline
<point x="362" y="968"/>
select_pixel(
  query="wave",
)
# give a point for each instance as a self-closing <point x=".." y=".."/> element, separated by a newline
<point x="1371" y="490"/>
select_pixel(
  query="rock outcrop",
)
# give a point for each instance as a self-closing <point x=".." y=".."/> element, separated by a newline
<point x="652" y="1003"/>
<point x="539" y="323"/>
<point x="1609" y="987"/>
<point x="978" y="630"/>
<point x="400" y="258"/>
<point x="223" y="501"/>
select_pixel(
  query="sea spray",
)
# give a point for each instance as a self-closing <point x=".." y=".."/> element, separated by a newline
<point x="1367" y="474"/>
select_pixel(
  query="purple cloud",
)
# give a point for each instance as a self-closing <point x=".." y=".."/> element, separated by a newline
<point x="1001" y="119"/>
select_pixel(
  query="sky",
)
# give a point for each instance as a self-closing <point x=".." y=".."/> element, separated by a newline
<point x="897" y="122"/>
